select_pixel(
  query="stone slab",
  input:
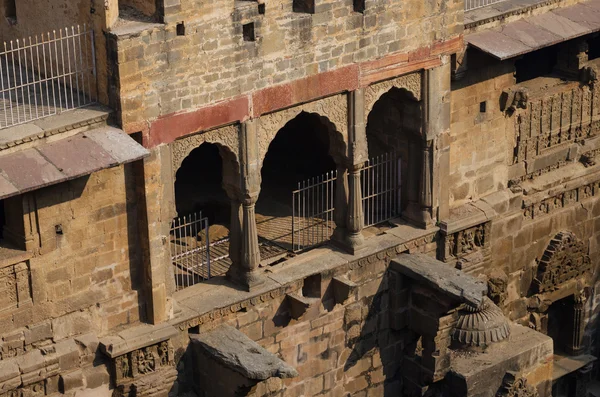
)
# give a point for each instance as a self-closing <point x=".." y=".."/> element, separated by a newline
<point x="478" y="374"/>
<point x="564" y="365"/>
<point x="136" y="338"/>
<point x="236" y="351"/>
<point x="441" y="277"/>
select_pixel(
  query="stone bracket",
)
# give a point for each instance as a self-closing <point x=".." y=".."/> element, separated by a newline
<point x="299" y="305"/>
<point x="342" y="289"/>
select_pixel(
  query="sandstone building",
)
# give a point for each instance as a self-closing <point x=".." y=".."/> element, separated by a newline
<point x="299" y="198"/>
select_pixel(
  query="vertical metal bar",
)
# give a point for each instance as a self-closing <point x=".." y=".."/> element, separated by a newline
<point x="57" y="74"/>
<point x="93" y="45"/>
<point x="78" y="63"/>
<point x="12" y="117"/>
<point x="69" y="62"/>
<point x="3" y="88"/>
<point x="207" y="246"/>
<point x="34" y="74"/>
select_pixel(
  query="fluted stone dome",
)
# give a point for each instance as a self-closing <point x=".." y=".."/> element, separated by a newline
<point x="481" y="326"/>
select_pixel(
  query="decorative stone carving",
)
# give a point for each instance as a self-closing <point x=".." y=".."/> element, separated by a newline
<point x="514" y="386"/>
<point x="561" y="200"/>
<point x="466" y="241"/>
<point x="481" y="326"/>
<point x="497" y="285"/>
<point x="410" y="82"/>
<point x="565" y="258"/>
<point x="15" y="290"/>
<point x="513" y="99"/>
<point x="333" y="110"/>
<point x="143" y="361"/>
<point x="225" y="137"/>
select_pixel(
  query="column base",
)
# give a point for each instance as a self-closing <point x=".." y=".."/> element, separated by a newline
<point x="245" y="279"/>
<point x="349" y="242"/>
<point x="418" y="216"/>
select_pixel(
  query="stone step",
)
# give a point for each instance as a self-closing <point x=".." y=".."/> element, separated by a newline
<point x="49" y="128"/>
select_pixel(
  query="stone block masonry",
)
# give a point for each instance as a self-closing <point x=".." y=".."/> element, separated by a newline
<point x="160" y="73"/>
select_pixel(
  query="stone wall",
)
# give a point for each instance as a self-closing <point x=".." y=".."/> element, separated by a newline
<point x="161" y="73"/>
<point x="82" y="275"/>
<point x="481" y="142"/>
<point x="338" y="345"/>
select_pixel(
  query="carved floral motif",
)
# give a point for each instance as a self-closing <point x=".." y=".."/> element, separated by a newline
<point x="565" y="258"/>
<point x="561" y="200"/>
<point x="514" y="386"/>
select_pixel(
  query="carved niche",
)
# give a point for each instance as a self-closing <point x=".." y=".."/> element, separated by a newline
<point x="143" y="361"/>
<point x="565" y="259"/>
<point x="516" y="386"/>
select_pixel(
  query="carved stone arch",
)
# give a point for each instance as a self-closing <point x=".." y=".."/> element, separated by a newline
<point x="332" y="111"/>
<point x="564" y="259"/>
<point x="226" y="138"/>
<point x="409" y="82"/>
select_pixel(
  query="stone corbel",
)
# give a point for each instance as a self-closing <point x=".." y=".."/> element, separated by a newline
<point x="301" y="305"/>
<point x="512" y="99"/>
<point x="343" y="289"/>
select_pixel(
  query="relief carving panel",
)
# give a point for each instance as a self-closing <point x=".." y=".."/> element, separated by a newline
<point x="226" y="137"/>
<point x="410" y="82"/>
<point x="333" y="110"/>
<point x="15" y="286"/>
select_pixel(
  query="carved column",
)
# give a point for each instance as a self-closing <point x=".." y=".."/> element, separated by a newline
<point x="578" y="323"/>
<point x="357" y="151"/>
<point x="245" y="271"/>
<point x="340" y="214"/>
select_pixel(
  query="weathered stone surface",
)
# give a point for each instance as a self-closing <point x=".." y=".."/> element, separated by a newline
<point x="439" y="276"/>
<point x="236" y="351"/>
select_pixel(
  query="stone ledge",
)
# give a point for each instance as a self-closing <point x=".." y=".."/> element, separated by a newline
<point x="441" y="277"/>
<point x="204" y="302"/>
<point x="236" y="351"/>
<point x="136" y="338"/>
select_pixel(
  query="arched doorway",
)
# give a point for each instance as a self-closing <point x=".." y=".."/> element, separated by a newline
<point x="301" y="151"/>
<point x="394" y="131"/>
<point x="200" y="232"/>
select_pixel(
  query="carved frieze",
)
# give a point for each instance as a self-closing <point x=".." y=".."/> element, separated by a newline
<point x="467" y="241"/>
<point x="15" y="286"/>
<point x="410" y="82"/>
<point x="36" y="389"/>
<point x="545" y="123"/>
<point x="143" y="361"/>
<point x="565" y="259"/>
<point x="561" y="200"/>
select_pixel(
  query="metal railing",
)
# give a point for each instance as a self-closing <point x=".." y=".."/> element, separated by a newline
<point x="313" y="203"/>
<point x="46" y="74"/>
<point x="312" y="211"/>
<point x="190" y="249"/>
<point x="473" y="4"/>
<point x="381" y="188"/>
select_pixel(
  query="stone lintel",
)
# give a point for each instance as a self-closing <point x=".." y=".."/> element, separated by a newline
<point x="441" y="277"/>
<point x="466" y="216"/>
<point x="136" y="338"/>
<point x="234" y="350"/>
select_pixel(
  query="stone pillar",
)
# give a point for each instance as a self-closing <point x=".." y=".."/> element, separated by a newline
<point x="340" y="214"/>
<point x="357" y="154"/>
<point x="245" y="272"/>
<point x="578" y="323"/>
<point x="433" y="193"/>
<point x="235" y="224"/>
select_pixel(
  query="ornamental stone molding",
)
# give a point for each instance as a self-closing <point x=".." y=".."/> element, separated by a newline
<point x="333" y="112"/>
<point x="410" y="82"/>
<point x="227" y="138"/>
<point x="478" y="327"/>
<point x="514" y="385"/>
<point x="565" y="259"/>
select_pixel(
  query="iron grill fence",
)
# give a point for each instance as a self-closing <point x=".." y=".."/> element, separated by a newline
<point x="190" y="249"/>
<point x="312" y="211"/>
<point x="381" y="188"/>
<point x="47" y="74"/>
<point x="473" y="4"/>
<point x="313" y="202"/>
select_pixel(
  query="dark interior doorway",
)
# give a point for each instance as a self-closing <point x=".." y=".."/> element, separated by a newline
<point x="299" y="151"/>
